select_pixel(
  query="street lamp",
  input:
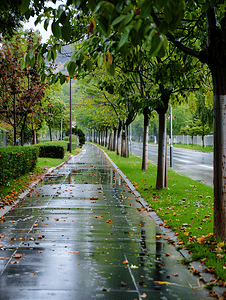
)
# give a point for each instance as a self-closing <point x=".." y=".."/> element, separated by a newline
<point x="61" y="122"/>
<point x="68" y="78"/>
<point x="171" y="138"/>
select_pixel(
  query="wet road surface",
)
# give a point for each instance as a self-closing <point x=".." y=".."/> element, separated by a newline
<point x="72" y="236"/>
<point x="194" y="164"/>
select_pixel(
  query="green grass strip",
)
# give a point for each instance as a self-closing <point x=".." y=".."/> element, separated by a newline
<point x="186" y="206"/>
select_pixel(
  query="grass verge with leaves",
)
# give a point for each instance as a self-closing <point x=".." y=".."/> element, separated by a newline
<point x="186" y="207"/>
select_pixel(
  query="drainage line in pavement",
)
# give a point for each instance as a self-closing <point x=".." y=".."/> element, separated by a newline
<point x="134" y="282"/>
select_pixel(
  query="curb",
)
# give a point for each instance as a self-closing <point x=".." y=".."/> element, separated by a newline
<point x="196" y="266"/>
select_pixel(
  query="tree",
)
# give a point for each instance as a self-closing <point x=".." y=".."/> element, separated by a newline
<point x="181" y="116"/>
<point x="196" y="28"/>
<point x="21" y="91"/>
<point x="10" y="17"/>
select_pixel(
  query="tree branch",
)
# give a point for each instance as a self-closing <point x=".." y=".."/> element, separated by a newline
<point x="172" y="38"/>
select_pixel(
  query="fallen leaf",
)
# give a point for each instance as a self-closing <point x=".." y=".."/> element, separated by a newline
<point x="158" y="236"/>
<point x="141" y="282"/>
<point x="167" y="254"/>
<point x="163" y="282"/>
<point x="122" y="283"/>
<point x="143" y="296"/>
<point x="17" y="255"/>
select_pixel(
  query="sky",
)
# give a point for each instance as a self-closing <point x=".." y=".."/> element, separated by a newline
<point x="45" y="34"/>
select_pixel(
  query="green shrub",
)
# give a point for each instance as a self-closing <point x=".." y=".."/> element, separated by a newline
<point x="74" y="139"/>
<point x="80" y="134"/>
<point x="52" y="151"/>
<point x="16" y="161"/>
<point x="73" y="146"/>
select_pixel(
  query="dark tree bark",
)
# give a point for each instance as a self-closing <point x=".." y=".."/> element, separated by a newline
<point x="160" y="183"/>
<point x="219" y="83"/>
<point x="106" y="137"/>
<point x="110" y="141"/>
<point x="146" y="111"/>
<point x="161" y="110"/>
<point x="34" y="139"/>
<point x="22" y="131"/>
<point x="118" y="137"/>
<point x="50" y="133"/>
<point x="114" y="140"/>
<point x="123" y="142"/>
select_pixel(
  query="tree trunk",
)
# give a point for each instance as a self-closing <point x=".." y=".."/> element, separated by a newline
<point x="106" y="137"/>
<point x="14" y="120"/>
<point x="219" y="113"/>
<point x="118" y="137"/>
<point x="114" y="140"/>
<point x="109" y="143"/>
<point x="34" y="140"/>
<point x="123" y="142"/>
<point x="50" y="134"/>
<point x="161" y="171"/>
<point x="127" y="141"/>
<point x="145" y="142"/>
<point x="22" y="131"/>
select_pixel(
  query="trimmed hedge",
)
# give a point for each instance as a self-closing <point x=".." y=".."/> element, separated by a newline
<point x="73" y="146"/>
<point x="16" y="161"/>
<point x="52" y="149"/>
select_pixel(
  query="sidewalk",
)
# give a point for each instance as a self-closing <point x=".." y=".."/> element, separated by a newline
<point x="81" y="235"/>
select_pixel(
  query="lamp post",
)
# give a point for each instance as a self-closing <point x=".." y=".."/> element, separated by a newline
<point x="70" y="120"/>
<point x="61" y="121"/>
<point x="171" y="138"/>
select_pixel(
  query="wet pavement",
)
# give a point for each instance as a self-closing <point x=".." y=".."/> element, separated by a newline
<point x="81" y="234"/>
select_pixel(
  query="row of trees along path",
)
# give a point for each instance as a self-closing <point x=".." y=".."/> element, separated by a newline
<point x="195" y="28"/>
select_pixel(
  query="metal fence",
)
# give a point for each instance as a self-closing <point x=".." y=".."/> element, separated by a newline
<point x="197" y="140"/>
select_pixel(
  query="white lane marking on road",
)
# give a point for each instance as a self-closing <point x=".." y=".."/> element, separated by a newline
<point x="184" y="160"/>
<point x="205" y="166"/>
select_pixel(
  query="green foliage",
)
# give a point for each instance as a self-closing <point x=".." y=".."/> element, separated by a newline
<point x="73" y="138"/>
<point x="81" y="135"/>
<point x="181" y="116"/>
<point x="51" y="150"/>
<point x="73" y="146"/>
<point x="16" y="161"/>
<point x="196" y="127"/>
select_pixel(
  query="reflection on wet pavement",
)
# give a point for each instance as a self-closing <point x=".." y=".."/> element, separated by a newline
<point x="81" y="234"/>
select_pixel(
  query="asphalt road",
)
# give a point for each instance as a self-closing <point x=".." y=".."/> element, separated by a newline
<point x="194" y="164"/>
